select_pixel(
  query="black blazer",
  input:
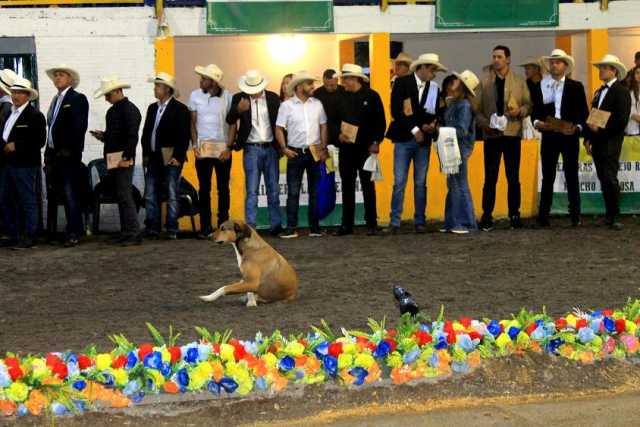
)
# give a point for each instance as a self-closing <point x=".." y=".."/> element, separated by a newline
<point x="29" y="134"/>
<point x="573" y="108"/>
<point x="401" y="125"/>
<point x="174" y="129"/>
<point x="70" y="127"/>
<point x="273" y="104"/>
<point x="617" y="101"/>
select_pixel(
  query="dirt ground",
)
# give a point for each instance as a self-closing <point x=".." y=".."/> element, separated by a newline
<point x="59" y="299"/>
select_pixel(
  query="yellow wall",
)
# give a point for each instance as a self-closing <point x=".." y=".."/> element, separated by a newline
<point x="597" y="47"/>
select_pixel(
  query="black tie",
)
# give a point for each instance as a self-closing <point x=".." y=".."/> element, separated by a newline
<point x="425" y="92"/>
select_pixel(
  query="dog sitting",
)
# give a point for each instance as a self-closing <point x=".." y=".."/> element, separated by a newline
<point x="266" y="275"/>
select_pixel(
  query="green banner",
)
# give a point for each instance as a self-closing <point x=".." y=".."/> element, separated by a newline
<point x="496" y="13"/>
<point x="224" y="17"/>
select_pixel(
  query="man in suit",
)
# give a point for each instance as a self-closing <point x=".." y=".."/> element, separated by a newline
<point x="564" y="99"/>
<point x="68" y="119"/>
<point x="24" y="133"/>
<point x="605" y="144"/>
<point x="165" y="140"/>
<point x="415" y="112"/>
<point x="330" y="94"/>
<point x="6" y="80"/>
<point x="252" y="124"/>
<point x="502" y="102"/>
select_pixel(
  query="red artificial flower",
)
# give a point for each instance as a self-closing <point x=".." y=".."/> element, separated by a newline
<point x="119" y="362"/>
<point x="581" y="323"/>
<point x="607" y="313"/>
<point x="392" y="332"/>
<point x="60" y="370"/>
<point x="475" y="335"/>
<point x="303" y="342"/>
<point x="392" y="343"/>
<point x="215" y="347"/>
<point x="532" y="327"/>
<point x="366" y="343"/>
<point x="84" y="362"/>
<point x="12" y="362"/>
<point x="561" y="323"/>
<point x="52" y="360"/>
<point x="239" y="351"/>
<point x="15" y="372"/>
<point x="620" y="326"/>
<point x="335" y="349"/>
<point x="465" y="321"/>
<point x="176" y="354"/>
<point x="451" y="338"/>
<point x="144" y="350"/>
<point x="423" y="337"/>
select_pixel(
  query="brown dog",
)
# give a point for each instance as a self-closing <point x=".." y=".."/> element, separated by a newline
<point x="264" y="271"/>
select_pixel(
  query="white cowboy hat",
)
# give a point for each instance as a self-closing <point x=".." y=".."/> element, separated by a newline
<point x="23" y="85"/>
<point x="108" y="84"/>
<point x="75" y="76"/>
<point x="562" y="55"/>
<point x="352" y="70"/>
<point x="211" y="71"/>
<point x="7" y="76"/>
<point x="428" y="59"/>
<point x="613" y="61"/>
<point x="252" y="82"/>
<point x="469" y="79"/>
<point x="403" y="58"/>
<point x="167" y="80"/>
<point x="300" y="77"/>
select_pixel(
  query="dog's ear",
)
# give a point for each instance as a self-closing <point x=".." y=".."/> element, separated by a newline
<point x="243" y="231"/>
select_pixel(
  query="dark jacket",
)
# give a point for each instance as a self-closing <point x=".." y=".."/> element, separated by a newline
<point x="121" y="133"/>
<point x="535" y="91"/>
<point x="69" y="128"/>
<point x="618" y="102"/>
<point x="5" y="110"/>
<point x="29" y="134"/>
<point x="174" y="129"/>
<point x="401" y="125"/>
<point x="573" y="108"/>
<point x="273" y="104"/>
<point x="330" y="101"/>
<point x="365" y="110"/>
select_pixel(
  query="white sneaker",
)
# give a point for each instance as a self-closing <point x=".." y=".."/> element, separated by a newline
<point x="289" y="233"/>
<point x="460" y="231"/>
<point x="443" y="230"/>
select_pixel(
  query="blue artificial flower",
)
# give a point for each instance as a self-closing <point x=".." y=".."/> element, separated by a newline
<point x="183" y="377"/>
<point x="132" y="359"/>
<point x="553" y="345"/>
<point x="153" y="360"/>
<point x="513" y="333"/>
<point x="441" y="344"/>
<point x="494" y="328"/>
<point x="585" y="335"/>
<point x="151" y="385"/>
<point x="538" y="333"/>
<point x="550" y="328"/>
<point x="382" y="349"/>
<point x="459" y="367"/>
<point x="79" y="385"/>
<point x="286" y="364"/>
<point x="251" y="347"/>
<point x="434" y="360"/>
<point x="330" y="365"/>
<point x="609" y="324"/>
<point x="80" y="405"/>
<point x="299" y="374"/>
<point x="595" y="324"/>
<point x="137" y="397"/>
<point x="192" y="355"/>
<point x="466" y="343"/>
<point x="228" y="384"/>
<point x="261" y="383"/>
<point x="132" y="387"/>
<point x="539" y="322"/>
<point x="166" y="369"/>
<point x="108" y="379"/>
<point x="71" y="358"/>
<point x="321" y="350"/>
<point x="360" y="374"/>
<point x="204" y="351"/>
<point x="5" y="379"/>
<point x="424" y="327"/>
<point x="22" y="410"/>
<point x="213" y="387"/>
<point x="72" y="369"/>
<point x="596" y="313"/>
<point x="58" y="408"/>
<point x="410" y="356"/>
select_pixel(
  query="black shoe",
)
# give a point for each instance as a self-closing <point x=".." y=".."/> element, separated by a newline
<point x="276" y="231"/>
<point x="486" y="225"/>
<point x="8" y="243"/>
<point x="71" y="242"/>
<point x="131" y="241"/>
<point x="151" y="234"/>
<point x="24" y="244"/>
<point x="372" y="231"/>
<point x="516" y="222"/>
<point x="343" y="231"/>
<point x="576" y="221"/>
<point x="289" y="233"/>
<point x="420" y="228"/>
<point x="392" y="229"/>
<point x="172" y="235"/>
<point x="205" y="234"/>
<point x="543" y="222"/>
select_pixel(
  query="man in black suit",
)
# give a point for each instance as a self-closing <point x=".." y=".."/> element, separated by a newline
<point x="330" y="94"/>
<point x="415" y="111"/>
<point x="605" y="144"/>
<point x="24" y="133"/>
<point x="6" y="80"/>
<point x="165" y="140"/>
<point x="564" y="99"/>
<point x="68" y="119"/>
<point x="251" y="121"/>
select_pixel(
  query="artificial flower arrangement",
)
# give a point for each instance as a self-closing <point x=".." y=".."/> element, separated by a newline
<point x="70" y="383"/>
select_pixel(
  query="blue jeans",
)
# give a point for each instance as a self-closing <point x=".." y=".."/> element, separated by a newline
<point x="261" y="160"/>
<point x="404" y="152"/>
<point x="161" y="180"/>
<point x="458" y="211"/>
<point x="20" y="202"/>
<point x="295" y="169"/>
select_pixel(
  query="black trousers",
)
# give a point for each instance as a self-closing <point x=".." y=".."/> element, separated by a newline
<point x="64" y="181"/>
<point x="204" y="170"/>
<point x="494" y="148"/>
<point x="606" y="157"/>
<point x="552" y="146"/>
<point x="126" y="206"/>
<point x="351" y="162"/>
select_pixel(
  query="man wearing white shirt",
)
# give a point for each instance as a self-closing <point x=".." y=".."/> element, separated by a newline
<point x="305" y="120"/>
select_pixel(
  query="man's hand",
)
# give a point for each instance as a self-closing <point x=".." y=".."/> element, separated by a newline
<point x="374" y="148"/>
<point x="10" y="147"/>
<point x="491" y="132"/>
<point x="343" y="138"/>
<point x="594" y="128"/>
<point x="289" y="153"/>
<point x="587" y="146"/>
<point x="513" y="113"/>
<point x="323" y="155"/>
<point x="174" y="162"/>
<point x="243" y="105"/>
<point x="540" y="125"/>
<point x="225" y="155"/>
<point x="569" y="131"/>
<point x="125" y="163"/>
<point x="196" y="152"/>
<point x="419" y="136"/>
<point x="636" y="117"/>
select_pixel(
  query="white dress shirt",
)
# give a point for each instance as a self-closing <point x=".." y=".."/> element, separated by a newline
<point x="633" y="127"/>
<point x="162" y="106"/>
<point x="604" y="90"/>
<point x="302" y="121"/>
<point x="261" y="131"/>
<point x="11" y="120"/>
<point x="211" y="114"/>
<point x="56" y="109"/>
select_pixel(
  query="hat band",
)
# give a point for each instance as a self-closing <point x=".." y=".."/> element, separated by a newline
<point x="20" y="87"/>
<point x="254" y="85"/>
<point x="3" y="82"/>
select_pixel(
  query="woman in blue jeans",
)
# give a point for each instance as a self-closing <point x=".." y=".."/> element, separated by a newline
<point x="459" y="216"/>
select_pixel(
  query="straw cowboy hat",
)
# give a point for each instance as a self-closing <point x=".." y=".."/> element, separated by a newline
<point x="165" y="79"/>
<point x="7" y="76"/>
<point x="108" y="84"/>
<point x="613" y="61"/>
<point x="300" y="77"/>
<point x="469" y="79"/>
<point x="403" y="58"/>
<point x="23" y="85"/>
<point x="211" y="71"/>
<point x="537" y="62"/>
<point x="428" y="59"/>
<point x="563" y="56"/>
<point x="352" y="70"/>
<point x="252" y="82"/>
<point x="75" y="76"/>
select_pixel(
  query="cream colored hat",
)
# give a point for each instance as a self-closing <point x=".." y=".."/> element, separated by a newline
<point x="428" y="59"/>
<point x="532" y="61"/>
<point x="23" y="85"/>
<point x="108" y="84"/>
<point x="469" y="79"/>
<point x="75" y="76"/>
<point x="562" y="55"/>
<point x="7" y="76"/>
<point x="299" y="77"/>
<point x="252" y="82"/>
<point x="614" y="61"/>
<point x="211" y="71"/>
<point x="352" y="70"/>
<point x="167" y="80"/>
<point x="403" y="58"/>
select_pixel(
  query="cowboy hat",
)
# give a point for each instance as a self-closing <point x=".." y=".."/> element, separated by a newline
<point x="252" y="82"/>
<point x="537" y="62"/>
<point x="352" y="70"/>
<point x="403" y="58"/>
<point x="75" y="76"/>
<point x="469" y="79"/>
<point x="428" y="59"/>
<point x="165" y="79"/>
<point x="7" y="76"/>
<point x="613" y="61"/>
<point x="108" y="84"/>
<point x="563" y="56"/>
<point x="300" y="77"/>
<point x="23" y="85"/>
<point x="211" y="71"/>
